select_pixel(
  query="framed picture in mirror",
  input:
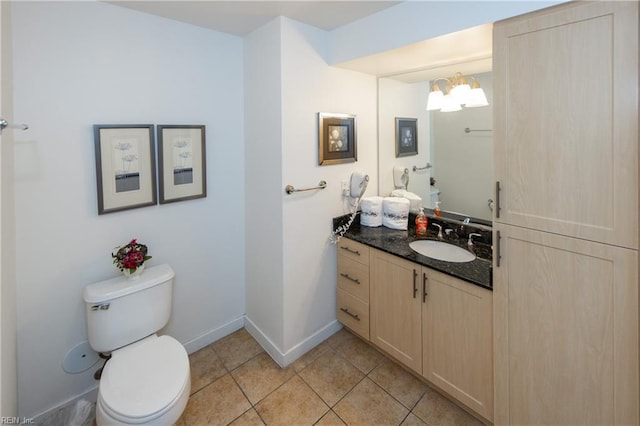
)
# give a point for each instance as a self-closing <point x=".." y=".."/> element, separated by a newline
<point x="336" y="138"/>
<point x="406" y="136"/>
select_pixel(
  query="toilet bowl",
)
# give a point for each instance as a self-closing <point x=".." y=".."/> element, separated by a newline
<point x="144" y="383"/>
<point x="147" y="380"/>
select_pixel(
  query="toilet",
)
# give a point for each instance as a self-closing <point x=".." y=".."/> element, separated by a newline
<point x="147" y="380"/>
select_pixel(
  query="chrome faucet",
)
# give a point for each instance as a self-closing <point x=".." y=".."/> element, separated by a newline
<point x="440" y="236"/>
<point x="473" y="234"/>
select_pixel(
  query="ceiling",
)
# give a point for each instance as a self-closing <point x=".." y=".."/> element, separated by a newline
<point x="467" y="51"/>
<point x="241" y="17"/>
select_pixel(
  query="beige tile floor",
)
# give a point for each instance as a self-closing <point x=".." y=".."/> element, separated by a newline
<point x="342" y="381"/>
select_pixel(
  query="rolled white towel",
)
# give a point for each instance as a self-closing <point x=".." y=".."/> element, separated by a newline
<point x="414" y="199"/>
<point x="371" y="214"/>
<point x="395" y="212"/>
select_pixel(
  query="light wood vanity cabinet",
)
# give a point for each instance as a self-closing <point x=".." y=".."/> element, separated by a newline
<point x="566" y="334"/>
<point x="435" y="324"/>
<point x="457" y="330"/>
<point x="396" y="308"/>
<point x="353" y="286"/>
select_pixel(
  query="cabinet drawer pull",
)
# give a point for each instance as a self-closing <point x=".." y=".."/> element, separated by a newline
<point x="415" y="287"/>
<point x="354" y="316"/>
<point x="424" y="287"/>
<point x="356" y="252"/>
<point x="355" y="280"/>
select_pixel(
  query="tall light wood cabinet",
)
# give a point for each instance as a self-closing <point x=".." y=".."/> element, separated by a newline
<point x="396" y="311"/>
<point x="566" y="324"/>
<point x="566" y="121"/>
<point x="566" y="331"/>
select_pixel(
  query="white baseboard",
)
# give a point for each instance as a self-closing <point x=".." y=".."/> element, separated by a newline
<point x="214" y="335"/>
<point x="285" y="358"/>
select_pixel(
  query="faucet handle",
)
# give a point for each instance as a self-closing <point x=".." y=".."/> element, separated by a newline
<point x="473" y="234"/>
<point x="440" y="237"/>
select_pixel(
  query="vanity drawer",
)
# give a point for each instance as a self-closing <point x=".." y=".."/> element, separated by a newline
<point x="353" y="250"/>
<point x="353" y="313"/>
<point x="353" y="277"/>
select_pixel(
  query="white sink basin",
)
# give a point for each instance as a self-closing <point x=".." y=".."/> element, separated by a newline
<point x="442" y="251"/>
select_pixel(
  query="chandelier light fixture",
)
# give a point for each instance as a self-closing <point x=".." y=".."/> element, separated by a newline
<point x="459" y="93"/>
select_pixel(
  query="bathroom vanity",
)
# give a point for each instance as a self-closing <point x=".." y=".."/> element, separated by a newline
<point x="435" y="317"/>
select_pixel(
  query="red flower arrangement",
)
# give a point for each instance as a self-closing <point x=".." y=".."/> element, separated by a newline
<point x="131" y="256"/>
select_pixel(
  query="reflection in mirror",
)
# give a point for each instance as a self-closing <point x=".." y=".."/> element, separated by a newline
<point x="462" y="161"/>
<point x="398" y="99"/>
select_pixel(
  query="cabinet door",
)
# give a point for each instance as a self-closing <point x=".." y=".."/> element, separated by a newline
<point x="566" y="331"/>
<point x="395" y="299"/>
<point x="458" y="340"/>
<point x="566" y="120"/>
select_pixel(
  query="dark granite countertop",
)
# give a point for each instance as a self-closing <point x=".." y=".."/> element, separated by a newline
<point x="478" y="271"/>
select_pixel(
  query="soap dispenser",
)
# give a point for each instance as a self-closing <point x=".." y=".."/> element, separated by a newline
<point x="437" y="211"/>
<point x="421" y="223"/>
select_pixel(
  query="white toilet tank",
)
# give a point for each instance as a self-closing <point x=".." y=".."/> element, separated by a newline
<point x="121" y="311"/>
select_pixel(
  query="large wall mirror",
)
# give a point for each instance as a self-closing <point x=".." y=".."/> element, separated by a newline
<point x="458" y="147"/>
<point x="453" y="148"/>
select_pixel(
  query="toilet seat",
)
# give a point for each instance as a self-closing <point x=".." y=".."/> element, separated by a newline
<point x="143" y="381"/>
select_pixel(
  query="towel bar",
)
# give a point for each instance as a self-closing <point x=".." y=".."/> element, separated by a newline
<point x="289" y="189"/>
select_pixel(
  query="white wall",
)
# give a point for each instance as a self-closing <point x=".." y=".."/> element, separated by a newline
<point x="263" y="177"/>
<point x="409" y="100"/>
<point x="309" y="86"/>
<point x="81" y="63"/>
<point x="8" y="319"/>
<point x="290" y="265"/>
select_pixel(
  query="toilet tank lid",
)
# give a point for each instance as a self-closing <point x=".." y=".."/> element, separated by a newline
<point x="121" y="286"/>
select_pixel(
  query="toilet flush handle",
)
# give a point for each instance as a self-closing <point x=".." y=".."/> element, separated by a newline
<point x="101" y="307"/>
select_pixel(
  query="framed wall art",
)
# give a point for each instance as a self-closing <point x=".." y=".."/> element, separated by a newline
<point x="406" y="137"/>
<point x="336" y="138"/>
<point x="125" y="166"/>
<point x="181" y="162"/>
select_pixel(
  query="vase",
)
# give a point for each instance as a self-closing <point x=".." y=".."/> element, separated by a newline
<point x="135" y="274"/>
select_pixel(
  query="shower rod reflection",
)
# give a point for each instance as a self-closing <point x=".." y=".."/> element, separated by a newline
<point x="468" y="130"/>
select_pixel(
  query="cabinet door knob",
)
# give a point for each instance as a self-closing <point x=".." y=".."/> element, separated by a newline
<point x="415" y="287"/>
